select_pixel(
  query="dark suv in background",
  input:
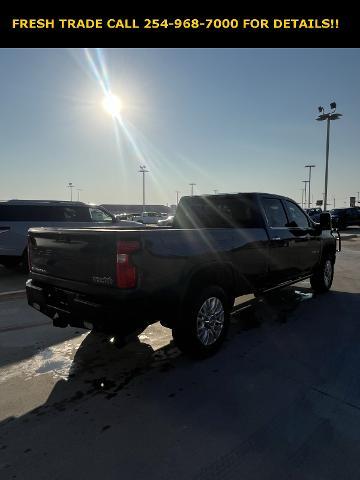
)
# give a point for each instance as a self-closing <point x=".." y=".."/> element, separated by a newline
<point x="314" y="213"/>
<point x="345" y="217"/>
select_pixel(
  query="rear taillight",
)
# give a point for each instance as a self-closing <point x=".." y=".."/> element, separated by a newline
<point x="126" y="274"/>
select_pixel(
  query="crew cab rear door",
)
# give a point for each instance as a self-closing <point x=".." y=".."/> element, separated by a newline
<point x="281" y="258"/>
<point x="305" y="244"/>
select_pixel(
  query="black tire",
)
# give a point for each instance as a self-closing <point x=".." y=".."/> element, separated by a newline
<point x="322" y="278"/>
<point x="204" y="322"/>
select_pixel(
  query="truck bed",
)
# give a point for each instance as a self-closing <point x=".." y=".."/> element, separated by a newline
<point x="164" y="260"/>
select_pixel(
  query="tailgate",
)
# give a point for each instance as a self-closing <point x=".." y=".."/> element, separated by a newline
<point x="83" y="255"/>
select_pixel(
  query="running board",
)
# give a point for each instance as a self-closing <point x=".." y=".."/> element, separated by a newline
<point x="282" y="285"/>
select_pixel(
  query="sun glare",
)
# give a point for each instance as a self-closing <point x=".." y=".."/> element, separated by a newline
<point x="112" y="104"/>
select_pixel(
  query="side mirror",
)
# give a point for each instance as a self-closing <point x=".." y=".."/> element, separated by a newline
<point x="325" y="221"/>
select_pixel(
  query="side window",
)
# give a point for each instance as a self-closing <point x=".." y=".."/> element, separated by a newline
<point x="72" y="214"/>
<point x="275" y="212"/>
<point x="228" y="211"/>
<point x="25" y="213"/>
<point x="296" y="217"/>
<point x="98" y="215"/>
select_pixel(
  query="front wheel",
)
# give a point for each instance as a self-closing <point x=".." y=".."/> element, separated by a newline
<point x="322" y="278"/>
<point x="204" y="322"/>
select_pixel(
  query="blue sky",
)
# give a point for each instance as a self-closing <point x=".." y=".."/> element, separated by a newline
<point x="226" y="119"/>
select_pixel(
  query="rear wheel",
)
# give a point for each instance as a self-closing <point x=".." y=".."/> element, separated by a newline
<point x="322" y="278"/>
<point x="203" y="325"/>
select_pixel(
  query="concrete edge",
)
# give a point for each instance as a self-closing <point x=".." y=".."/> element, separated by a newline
<point x="12" y="294"/>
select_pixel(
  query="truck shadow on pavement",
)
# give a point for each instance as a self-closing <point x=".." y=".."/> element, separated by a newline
<point x="101" y="366"/>
<point x="289" y="355"/>
<point x="12" y="279"/>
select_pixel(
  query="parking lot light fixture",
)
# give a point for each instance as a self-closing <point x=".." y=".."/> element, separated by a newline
<point x="328" y="117"/>
<point x="192" y="188"/>
<point x="143" y="170"/>
<point x="305" y="181"/>
<point x="309" y="167"/>
<point x="78" y="194"/>
<point x="302" y="198"/>
<point x="70" y="185"/>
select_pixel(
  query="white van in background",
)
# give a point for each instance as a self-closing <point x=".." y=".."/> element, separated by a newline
<point x="17" y="216"/>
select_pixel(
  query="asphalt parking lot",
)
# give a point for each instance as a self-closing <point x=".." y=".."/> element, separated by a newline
<point x="281" y="400"/>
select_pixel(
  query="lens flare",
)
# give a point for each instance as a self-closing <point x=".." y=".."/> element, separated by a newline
<point x="138" y="147"/>
<point x="112" y="104"/>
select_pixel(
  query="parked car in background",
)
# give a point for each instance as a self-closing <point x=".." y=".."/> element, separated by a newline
<point x="122" y="216"/>
<point x="166" y="222"/>
<point x="134" y="217"/>
<point x="150" y="217"/>
<point x="345" y="217"/>
<point x="17" y="216"/>
<point x="314" y="213"/>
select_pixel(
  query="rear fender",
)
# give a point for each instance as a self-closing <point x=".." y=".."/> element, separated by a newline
<point x="211" y="274"/>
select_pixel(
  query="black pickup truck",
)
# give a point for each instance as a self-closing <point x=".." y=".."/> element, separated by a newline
<point x="187" y="275"/>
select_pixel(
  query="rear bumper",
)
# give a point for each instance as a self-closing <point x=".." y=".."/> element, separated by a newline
<point x="70" y="308"/>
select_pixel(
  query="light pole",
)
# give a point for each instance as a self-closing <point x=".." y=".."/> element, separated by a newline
<point x="78" y="194"/>
<point x="71" y="186"/>
<point x="216" y="191"/>
<point x="177" y="196"/>
<point x="305" y="181"/>
<point x="309" y="167"/>
<point x="302" y="198"/>
<point x="328" y="117"/>
<point x="143" y="171"/>
<point x="192" y="188"/>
